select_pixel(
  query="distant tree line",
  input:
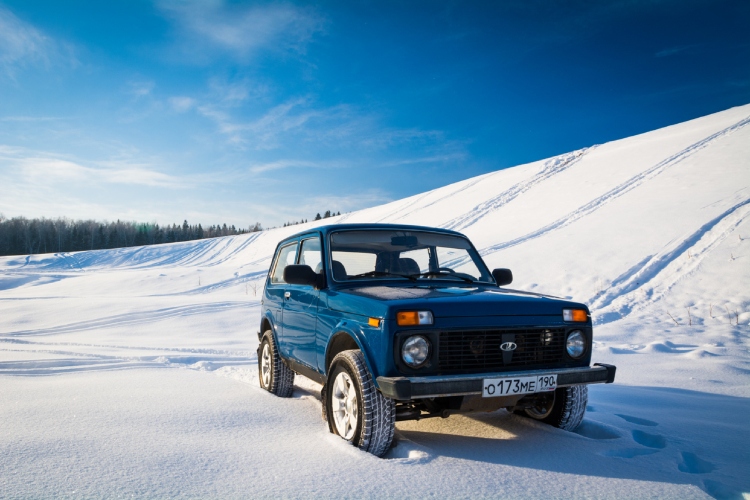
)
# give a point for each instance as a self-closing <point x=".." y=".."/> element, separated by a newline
<point x="326" y="215"/>
<point x="20" y="236"/>
<point x="294" y="223"/>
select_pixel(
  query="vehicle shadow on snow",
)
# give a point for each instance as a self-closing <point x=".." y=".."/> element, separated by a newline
<point x="644" y="433"/>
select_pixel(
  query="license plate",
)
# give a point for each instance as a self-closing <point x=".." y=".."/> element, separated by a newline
<point x="494" y="387"/>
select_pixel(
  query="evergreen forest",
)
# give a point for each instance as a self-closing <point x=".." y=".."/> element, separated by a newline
<point x="22" y="236"/>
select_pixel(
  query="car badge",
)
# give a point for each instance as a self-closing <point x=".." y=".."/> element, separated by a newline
<point x="508" y="346"/>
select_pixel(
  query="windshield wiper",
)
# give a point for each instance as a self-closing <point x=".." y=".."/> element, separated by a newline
<point x="446" y="275"/>
<point x="383" y="273"/>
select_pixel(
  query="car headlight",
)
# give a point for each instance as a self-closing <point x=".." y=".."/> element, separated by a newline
<point x="415" y="351"/>
<point x="576" y="344"/>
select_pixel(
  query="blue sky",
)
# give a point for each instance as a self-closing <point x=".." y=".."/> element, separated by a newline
<point x="240" y="112"/>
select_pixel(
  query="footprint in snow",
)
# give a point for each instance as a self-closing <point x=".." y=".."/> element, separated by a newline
<point x="720" y="490"/>
<point x="597" y="430"/>
<point x="628" y="452"/>
<point x="620" y="350"/>
<point x="636" y="420"/>
<point x="693" y="464"/>
<point x="649" y="440"/>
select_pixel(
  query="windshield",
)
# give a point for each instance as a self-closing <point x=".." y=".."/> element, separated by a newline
<point x="404" y="255"/>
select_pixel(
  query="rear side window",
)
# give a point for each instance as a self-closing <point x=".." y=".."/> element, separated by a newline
<point x="287" y="255"/>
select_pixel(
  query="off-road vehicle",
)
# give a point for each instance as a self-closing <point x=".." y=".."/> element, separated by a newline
<point x="406" y="322"/>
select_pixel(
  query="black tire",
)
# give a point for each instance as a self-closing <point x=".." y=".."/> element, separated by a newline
<point x="273" y="374"/>
<point x="564" y="410"/>
<point x="374" y="418"/>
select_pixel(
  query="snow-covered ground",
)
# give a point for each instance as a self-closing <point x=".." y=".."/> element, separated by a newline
<point x="133" y="372"/>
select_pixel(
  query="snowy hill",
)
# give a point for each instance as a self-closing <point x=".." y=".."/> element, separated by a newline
<point x="651" y="231"/>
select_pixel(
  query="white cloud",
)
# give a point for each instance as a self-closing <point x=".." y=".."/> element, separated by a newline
<point x="242" y="30"/>
<point x="40" y="169"/>
<point x="233" y="93"/>
<point x="441" y="158"/>
<point x="29" y="119"/>
<point x="22" y="45"/>
<point x="182" y="104"/>
<point x="140" y="88"/>
<point x="282" y="164"/>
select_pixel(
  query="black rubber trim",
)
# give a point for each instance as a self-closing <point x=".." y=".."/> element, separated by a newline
<point x="447" y="388"/>
<point x="611" y="369"/>
<point x="305" y="370"/>
<point x="577" y="378"/>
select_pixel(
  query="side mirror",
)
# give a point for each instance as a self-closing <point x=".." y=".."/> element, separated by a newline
<point x="301" y="275"/>
<point x="502" y="276"/>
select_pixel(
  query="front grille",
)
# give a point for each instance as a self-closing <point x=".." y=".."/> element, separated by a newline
<point x="478" y="351"/>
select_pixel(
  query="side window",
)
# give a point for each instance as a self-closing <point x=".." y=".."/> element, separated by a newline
<point x="310" y="254"/>
<point x="287" y="255"/>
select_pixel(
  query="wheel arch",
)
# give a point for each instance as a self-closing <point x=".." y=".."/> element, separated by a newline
<point x="267" y="324"/>
<point x="343" y="340"/>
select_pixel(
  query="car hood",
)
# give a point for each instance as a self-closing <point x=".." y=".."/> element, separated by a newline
<point x="458" y="301"/>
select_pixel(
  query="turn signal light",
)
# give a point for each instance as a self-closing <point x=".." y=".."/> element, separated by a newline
<point x="410" y="318"/>
<point x="576" y="315"/>
<point x="374" y="322"/>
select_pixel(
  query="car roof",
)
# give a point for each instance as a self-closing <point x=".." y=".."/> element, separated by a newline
<point x="329" y="228"/>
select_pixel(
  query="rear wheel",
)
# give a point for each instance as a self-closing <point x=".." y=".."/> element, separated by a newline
<point x="274" y="375"/>
<point x="356" y="410"/>
<point x="564" y="408"/>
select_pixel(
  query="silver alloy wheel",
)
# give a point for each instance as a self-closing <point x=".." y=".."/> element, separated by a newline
<point x="344" y="405"/>
<point x="265" y="365"/>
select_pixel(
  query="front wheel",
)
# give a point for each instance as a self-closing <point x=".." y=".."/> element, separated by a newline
<point x="356" y="410"/>
<point x="564" y="408"/>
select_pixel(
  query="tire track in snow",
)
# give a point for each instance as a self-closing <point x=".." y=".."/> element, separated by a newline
<point x="136" y="318"/>
<point x="181" y="350"/>
<point x="550" y="168"/>
<point x="213" y="252"/>
<point x="220" y="285"/>
<point x="208" y="253"/>
<point x="215" y="260"/>
<point x="71" y="365"/>
<point x="84" y="363"/>
<point x="405" y="205"/>
<point x="619" y="190"/>
<point x="667" y="268"/>
<point x="452" y="193"/>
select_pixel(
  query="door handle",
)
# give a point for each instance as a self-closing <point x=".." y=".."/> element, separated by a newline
<point x="287" y="295"/>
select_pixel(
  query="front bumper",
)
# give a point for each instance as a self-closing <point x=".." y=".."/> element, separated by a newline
<point x="406" y="388"/>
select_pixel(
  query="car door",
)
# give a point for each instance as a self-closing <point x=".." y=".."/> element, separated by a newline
<point x="301" y="308"/>
<point x="276" y="289"/>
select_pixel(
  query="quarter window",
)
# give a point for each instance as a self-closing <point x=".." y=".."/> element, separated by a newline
<point x="287" y="256"/>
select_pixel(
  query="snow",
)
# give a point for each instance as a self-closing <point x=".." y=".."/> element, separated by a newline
<point x="133" y="372"/>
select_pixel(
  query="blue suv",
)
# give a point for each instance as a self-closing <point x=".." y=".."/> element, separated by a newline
<point x="406" y="322"/>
